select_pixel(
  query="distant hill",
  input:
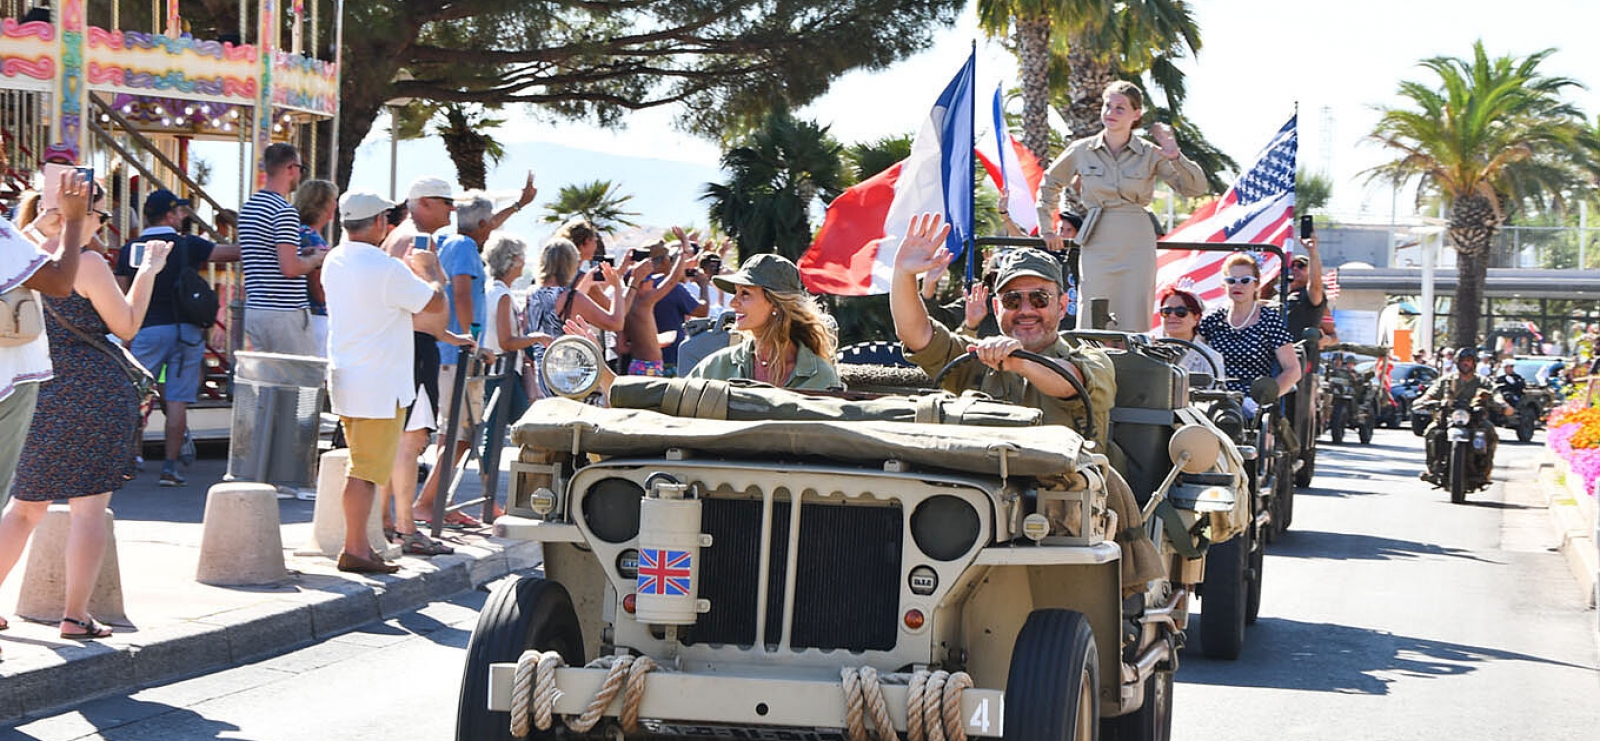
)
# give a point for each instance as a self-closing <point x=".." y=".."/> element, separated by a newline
<point x="664" y="192"/>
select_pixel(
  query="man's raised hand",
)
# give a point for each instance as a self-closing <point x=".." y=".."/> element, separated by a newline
<point x="923" y="246"/>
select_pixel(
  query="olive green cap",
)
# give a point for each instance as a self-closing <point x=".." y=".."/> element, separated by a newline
<point x="772" y="272"/>
<point x="1027" y="261"/>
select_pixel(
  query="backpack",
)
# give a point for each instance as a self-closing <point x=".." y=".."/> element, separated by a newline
<point x="194" y="301"/>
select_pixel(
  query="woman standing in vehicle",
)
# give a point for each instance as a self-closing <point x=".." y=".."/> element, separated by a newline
<point x="1114" y="173"/>
<point x="787" y="341"/>
<point x="1250" y="337"/>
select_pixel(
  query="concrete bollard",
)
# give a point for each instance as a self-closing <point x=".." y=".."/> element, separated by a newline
<point x="327" y="520"/>
<point x="44" y="584"/>
<point x="241" y="543"/>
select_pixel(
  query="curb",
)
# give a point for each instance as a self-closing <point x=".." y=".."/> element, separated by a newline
<point x="1572" y="516"/>
<point x="230" y="638"/>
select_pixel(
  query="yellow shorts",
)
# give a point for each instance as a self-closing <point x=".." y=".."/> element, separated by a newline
<point x="373" y="444"/>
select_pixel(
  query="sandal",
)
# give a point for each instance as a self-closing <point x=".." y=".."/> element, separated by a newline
<point x="91" y="629"/>
<point x="455" y="521"/>
<point x="417" y="544"/>
<point x="3" y="624"/>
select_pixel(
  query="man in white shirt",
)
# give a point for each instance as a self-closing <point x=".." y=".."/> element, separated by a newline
<point x="372" y="299"/>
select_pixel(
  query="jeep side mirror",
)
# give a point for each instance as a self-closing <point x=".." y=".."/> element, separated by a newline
<point x="1264" y="390"/>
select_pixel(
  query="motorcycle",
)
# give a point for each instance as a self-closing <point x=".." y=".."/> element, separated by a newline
<point x="1466" y="451"/>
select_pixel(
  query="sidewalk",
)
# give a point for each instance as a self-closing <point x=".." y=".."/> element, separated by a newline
<point x="1573" y="517"/>
<point x="181" y="628"/>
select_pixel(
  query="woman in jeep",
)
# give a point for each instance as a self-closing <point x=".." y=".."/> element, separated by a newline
<point x="787" y="340"/>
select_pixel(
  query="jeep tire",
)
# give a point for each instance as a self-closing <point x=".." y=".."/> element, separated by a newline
<point x="1152" y="721"/>
<point x="1223" y="598"/>
<point x="521" y="614"/>
<point x="1053" y="687"/>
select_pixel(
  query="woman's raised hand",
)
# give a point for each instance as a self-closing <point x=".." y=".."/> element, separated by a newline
<point x="578" y="326"/>
<point x="155" y="256"/>
<point x="923" y="246"/>
<point x="74" y="195"/>
<point x="1164" y="138"/>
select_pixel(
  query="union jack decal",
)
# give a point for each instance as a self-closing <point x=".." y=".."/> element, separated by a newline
<point x="664" y="572"/>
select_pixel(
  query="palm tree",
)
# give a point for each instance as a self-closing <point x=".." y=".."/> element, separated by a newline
<point x="1311" y="191"/>
<point x="1029" y="24"/>
<point x="599" y="202"/>
<point x="1493" y="135"/>
<point x="776" y="174"/>
<point x="464" y="129"/>
<point x="866" y="159"/>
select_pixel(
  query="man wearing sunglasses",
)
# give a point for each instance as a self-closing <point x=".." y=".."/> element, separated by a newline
<point x="1028" y="303"/>
<point x="1306" y="306"/>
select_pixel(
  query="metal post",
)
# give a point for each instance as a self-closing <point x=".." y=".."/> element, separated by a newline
<point x="1583" y="234"/>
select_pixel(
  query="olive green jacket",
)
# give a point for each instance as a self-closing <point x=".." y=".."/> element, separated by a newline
<point x="1099" y="377"/>
<point x="810" y="371"/>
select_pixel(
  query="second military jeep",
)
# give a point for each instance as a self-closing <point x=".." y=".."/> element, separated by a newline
<point x="731" y="559"/>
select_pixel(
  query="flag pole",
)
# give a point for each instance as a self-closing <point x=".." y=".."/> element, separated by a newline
<point x="972" y="170"/>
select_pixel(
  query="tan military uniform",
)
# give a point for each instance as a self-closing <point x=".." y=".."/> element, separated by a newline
<point x="1452" y="389"/>
<point x="1118" y="238"/>
<point x="1099" y="377"/>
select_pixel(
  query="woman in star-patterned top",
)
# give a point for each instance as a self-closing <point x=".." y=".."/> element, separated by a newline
<point x="1248" y="336"/>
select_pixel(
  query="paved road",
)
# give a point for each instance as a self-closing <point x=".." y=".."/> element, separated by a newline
<point x="1388" y="614"/>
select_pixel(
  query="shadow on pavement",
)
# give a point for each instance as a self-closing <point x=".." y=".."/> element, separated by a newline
<point x="1324" y="657"/>
<point x="121" y="719"/>
<point x="1359" y="547"/>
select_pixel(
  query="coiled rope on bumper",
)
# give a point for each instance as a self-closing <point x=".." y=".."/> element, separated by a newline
<point x="933" y="705"/>
<point x="534" y="692"/>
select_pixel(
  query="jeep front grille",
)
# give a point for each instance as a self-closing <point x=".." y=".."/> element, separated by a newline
<point x="847" y="580"/>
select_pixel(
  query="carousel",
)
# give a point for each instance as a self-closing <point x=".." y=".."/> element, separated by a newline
<point x="130" y="88"/>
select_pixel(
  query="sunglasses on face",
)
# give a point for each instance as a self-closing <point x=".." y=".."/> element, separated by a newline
<point x="1244" y="280"/>
<point x="1177" y="311"/>
<point x="1298" y="266"/>
<point x="1037" y="298"/>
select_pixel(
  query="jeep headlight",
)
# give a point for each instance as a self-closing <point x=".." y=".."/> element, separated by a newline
<point x="1460" y="417"/>
<point x="945" y="527"/>
<point x="571" y="367"/>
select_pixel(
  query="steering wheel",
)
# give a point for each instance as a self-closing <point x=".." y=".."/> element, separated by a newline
<point x="1077" y="385"/>
<point x="1216" y="373"/>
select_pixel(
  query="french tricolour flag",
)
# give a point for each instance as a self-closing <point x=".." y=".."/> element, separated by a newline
<point x="1258" y="208"/>
<point x="853" y="254"/>
<point x="1013" y="169"/>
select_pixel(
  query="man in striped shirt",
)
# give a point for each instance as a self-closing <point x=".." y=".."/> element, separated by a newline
<point x="277" y="317"/>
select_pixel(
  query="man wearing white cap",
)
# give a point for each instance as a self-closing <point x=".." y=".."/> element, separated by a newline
<point x="372" y="299"/>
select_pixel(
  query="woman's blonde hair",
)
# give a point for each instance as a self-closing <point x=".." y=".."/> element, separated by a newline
<point x="798" y="321"/>
<point x="1240" y="258"/>
<point x="27" y="208"/>
<point x="558" y="260"/>
<point x="314" y="200"/>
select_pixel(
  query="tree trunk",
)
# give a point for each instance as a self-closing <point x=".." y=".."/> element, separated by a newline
<point x="1033" y="55"/>
<point x="467" y="147"/>
<point x="1087" y="80"/>
<point x="1472" y="227"/>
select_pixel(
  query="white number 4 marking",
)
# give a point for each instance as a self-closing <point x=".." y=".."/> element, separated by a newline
<point x="980" y="717"/>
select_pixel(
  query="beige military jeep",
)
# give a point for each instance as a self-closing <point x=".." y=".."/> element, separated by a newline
<point x="727" y="559"/>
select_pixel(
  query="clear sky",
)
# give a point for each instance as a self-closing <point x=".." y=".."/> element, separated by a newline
<point x="1260" y="57"/>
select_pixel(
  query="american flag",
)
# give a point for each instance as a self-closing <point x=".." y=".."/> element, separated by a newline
<point x="1258" y="208"/>
<point x="663" y="572"/>
<point x="1330" y="285"/>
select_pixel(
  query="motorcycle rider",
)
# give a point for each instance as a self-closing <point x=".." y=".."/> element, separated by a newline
<point x="1510" y="385"/>
<point x="1461" y="386"/>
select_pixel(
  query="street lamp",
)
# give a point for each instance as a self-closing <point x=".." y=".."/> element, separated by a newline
<point x="394" y="105"/>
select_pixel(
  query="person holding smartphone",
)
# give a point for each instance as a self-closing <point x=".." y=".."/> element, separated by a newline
<point x="1306" y="306"/>
<point x="167" y="341"/>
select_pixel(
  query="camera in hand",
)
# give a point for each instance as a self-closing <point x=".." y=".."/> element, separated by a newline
<point x="640" y="255"/>
<point x="136" y="252"/>
<point x="1306" y="227"/>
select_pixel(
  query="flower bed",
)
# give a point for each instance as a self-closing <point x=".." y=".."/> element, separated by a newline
<point x="1574" y="435"/>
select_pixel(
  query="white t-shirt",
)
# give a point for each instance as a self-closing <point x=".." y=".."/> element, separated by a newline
<point x="491" y="320"/>
<point x="19" y="260"/>
<point x="371" y="298"/>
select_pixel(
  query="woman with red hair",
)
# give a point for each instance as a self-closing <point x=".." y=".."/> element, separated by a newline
<point x="1180" y="319"/>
